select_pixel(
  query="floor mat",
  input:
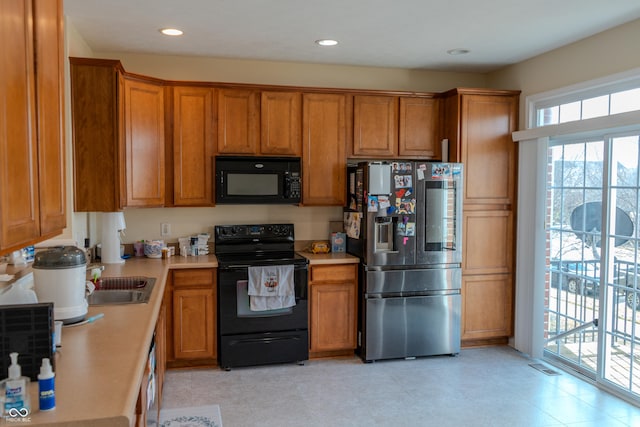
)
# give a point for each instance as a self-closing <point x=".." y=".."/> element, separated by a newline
<point x="197" y="416"/>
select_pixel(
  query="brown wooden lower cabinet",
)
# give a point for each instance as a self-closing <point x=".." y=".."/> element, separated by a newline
<point x="332" y="309"/>
<point x="160" y="354"/>
<point x="192" y="323"/>
<point x="486" y="308"/>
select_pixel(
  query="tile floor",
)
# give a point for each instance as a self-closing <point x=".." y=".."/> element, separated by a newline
<point x="493" y="386"/>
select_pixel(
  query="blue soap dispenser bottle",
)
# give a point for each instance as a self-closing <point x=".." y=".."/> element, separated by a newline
<point x="46" y="386"/>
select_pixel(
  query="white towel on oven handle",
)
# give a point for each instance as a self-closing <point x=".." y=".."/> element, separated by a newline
<point x="271" y="280"/>
<point x="271" y="287"/>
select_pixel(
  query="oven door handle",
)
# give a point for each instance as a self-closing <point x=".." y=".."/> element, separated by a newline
<point x="267" y="339"/>
<point x="244" y="267"/>
<point x="237" y="267"/>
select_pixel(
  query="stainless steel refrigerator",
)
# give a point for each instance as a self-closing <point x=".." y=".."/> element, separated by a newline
<point x="404" y="220"/>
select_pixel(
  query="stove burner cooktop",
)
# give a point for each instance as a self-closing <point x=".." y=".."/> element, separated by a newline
<point x="256" y="244"/>
<point x="274" y="258"/>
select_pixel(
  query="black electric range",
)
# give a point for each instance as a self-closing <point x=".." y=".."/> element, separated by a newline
<point x="246" y="337"/>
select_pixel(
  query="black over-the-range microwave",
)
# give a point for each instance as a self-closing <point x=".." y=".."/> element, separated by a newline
<point x="258" y="180"/>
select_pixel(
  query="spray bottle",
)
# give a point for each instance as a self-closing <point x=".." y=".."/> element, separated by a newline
<point x="16" y="390"/>
<point x="46" y="386"/>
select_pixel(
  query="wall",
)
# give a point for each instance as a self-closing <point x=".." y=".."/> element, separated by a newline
<point x="603" y="54"/>
<point x="291" y="73"/>
<point x="310" y="223"/>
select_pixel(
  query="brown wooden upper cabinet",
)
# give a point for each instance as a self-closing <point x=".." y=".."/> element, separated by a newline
<point x="254" y="122"/>
<point x="419" y="130"/>
<point x="193" y="145"/>
<point x="238" y="121"/>
<point x="144" y="143"/>
<point x="487" y="122"/>
<point x="280" y="129"/>
<point x="396" y="127"/>
<point x="32" y="184"/>
<point x="375" y="126"/>
<point x="324" y="149"/>
<point x="479" y="124"/>
<point x="118" y="137"/>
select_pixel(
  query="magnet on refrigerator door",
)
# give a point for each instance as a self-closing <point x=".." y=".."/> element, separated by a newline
<point x="372" y="204"/>
<point x="383" y="202"/>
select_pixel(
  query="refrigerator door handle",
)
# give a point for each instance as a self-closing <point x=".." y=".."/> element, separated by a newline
<point x="413" y="294"/>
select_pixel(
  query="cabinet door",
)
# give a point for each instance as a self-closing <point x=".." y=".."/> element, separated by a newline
<point x="280" y="130"/>
<point x="19" y="210"/>
<point x="193" y="334"/>
<point x="488" y="151"/>
<point x="488" y="242"/>
<point x="96" y="110"/>
<point x="324" y="149"/>
<point x="144" y="143"/>
<point x="49" y="49"/>
<point x="161" y="353"/>
<point x="419" y="132"/>
<point x="486" y="306"/>
<point x="238" y="121"/>
<point x="332" y="316"/>
<point x="332" y="307"/>
<point x="168" y="304"/>
<point x="193" y="146"/>
<point x="375" y="126"/>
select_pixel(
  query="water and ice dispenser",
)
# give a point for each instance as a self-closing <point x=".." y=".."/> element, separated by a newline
<point x="385" y="230"/>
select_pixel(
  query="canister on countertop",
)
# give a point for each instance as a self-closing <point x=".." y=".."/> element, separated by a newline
<point x="338" y="242"/>
<point x="138" y="248"/>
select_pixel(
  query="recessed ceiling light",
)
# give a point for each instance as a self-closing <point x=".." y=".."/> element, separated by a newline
<point x="458" y="51"/>
<point x="171" y="32"/>
<point x="327" y="42"/>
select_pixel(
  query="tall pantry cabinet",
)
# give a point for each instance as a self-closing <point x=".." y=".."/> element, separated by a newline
<point x="478" y="124"/>
<point x="32" y="181"/>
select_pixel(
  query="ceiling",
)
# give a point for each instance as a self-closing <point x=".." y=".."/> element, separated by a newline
<point x="411" y="34"/>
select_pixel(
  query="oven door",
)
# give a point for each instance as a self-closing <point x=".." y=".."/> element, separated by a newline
<point x="235" y="317"/>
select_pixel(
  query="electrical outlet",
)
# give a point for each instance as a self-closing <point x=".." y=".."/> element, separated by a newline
<point x="165" y="229"/>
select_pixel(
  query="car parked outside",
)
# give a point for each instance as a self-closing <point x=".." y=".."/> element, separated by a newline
<point x="583" y="278"/>
<point x="579" y="277"/>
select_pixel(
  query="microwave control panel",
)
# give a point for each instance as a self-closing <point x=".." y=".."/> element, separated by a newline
<point x="293" y="185"/>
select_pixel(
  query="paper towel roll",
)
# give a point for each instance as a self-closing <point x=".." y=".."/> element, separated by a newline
<point x="112" y="224"/>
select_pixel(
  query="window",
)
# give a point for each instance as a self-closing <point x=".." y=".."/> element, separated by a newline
<point x="589" y="107"/>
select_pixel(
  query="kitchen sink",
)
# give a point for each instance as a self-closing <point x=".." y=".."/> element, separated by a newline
<point x="122" y="290"/>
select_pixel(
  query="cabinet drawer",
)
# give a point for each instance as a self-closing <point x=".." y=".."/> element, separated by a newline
<point x="193" y="277"/>
<point x="333" y="273"/>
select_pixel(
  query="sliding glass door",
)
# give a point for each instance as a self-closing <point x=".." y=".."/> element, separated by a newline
<point x="621" y="330"/>
<point x="592" y="293"/>
<point x="574" y="185"/>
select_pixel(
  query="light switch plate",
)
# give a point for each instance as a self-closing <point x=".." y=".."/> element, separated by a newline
<point x="165" y="229"/>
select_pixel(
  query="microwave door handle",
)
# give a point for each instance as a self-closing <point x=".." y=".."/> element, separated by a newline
<point x="286" y="182"/>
